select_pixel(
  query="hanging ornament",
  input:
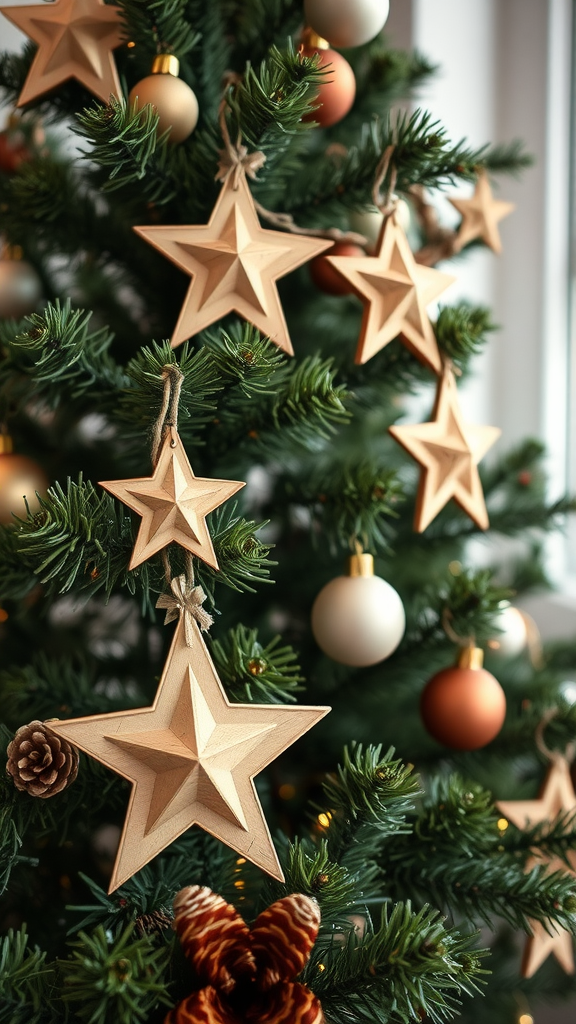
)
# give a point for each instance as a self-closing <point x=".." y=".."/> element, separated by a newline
<point x="369" y="220"/>
<point x="396" y="291"/>
<point x="480" y="216"/>
<point x="449" y="452"/>
<point x="234" y="264"/>
<point x="191" y="757"/>
<point x="175" y="101"/>
<point x="19" y="477"/>
<point x="464" y="707"/>
<point x="511" y="637"/>
<point x="173" y="504"/>
<point x="75" y="40"/>
<point x="323" y="274"/>
<point x="556" y="797"/>
<point x="247" y="975"/>
<point x="20" y="286"/>
<point x="19" y="142"/>
<point x="358" y="619"/>
<point x="337" y="92"/>
<point x="347" y="22"/>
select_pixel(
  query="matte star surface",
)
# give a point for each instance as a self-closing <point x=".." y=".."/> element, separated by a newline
<point x="191" y="758"/>
<point x="75" y="40"/>
<point x="396" y="291"/>
<point x="234" y="264"/>
<point x="449" y="452"/>
<point x="173" y="504"/>
<point x="481" y="215"/>
<point x="557" y="796"/>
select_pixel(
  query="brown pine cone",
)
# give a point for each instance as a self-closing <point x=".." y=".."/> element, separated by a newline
<point x="40" y="763"/>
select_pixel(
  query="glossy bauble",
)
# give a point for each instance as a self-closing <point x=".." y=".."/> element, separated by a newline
<point x="13" y="151"/>
<point x="337" y="92"/>
<point x="325" y="277"/>
<point x="358" y="619"/>
<point x="512" y="636"/>
<point x="346" y="22"/>
<point x="174" y="101"/>
<point x="19" y="476"/>
<point x="20" y="289"/>
<point x="464" y="706"/>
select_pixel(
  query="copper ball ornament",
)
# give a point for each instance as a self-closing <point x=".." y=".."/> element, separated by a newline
<point x="358" y="619"/>
<point x="326" y="277"/>
<point x="347" y="22"/>
<point x="20" y="288"/>
<point x="337" y="93"/>
<point x="13" y="151"/>
<point x="464" y="706"/>
<point x="19" y="476"/>
<point x="174" y="101"/>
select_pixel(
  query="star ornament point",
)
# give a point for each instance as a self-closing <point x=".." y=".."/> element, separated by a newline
<point x="481" y="215"/>
<point x="234" y="264"/>
<point x="449" y="452"/>
<point x="191" y="758"/>
<point x="75" y="39"/>
<point x="556" y="797"/>
<point x="395" y="290"/>
<point x="173" y="504"/>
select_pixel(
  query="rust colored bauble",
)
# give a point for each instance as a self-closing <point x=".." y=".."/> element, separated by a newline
<point x="325" y="277"/>
<point x="337" y="92"/>
<point x="464" y="706"/>
<point x="175" y="101"/>
<point x="19" y="476"/>
<point x="13" y="151"/>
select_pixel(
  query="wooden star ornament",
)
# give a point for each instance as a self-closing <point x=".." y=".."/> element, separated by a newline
<point x="173" y="503"/>
<point x="480" y="216"/>
<point x="396" y="291"/>
<point x="191" y="758"/>
<point x="556" y="797"/>
<point x="449" y="451"/>
<point x="234" y="264"/>
<point x="75" y="40"/>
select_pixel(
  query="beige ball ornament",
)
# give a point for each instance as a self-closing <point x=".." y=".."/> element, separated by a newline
<point x="347" y="22"/>
<point x="512" y="637"/>
<point x="358" y="619"/>
<point x="20" y="288"/>
<point x="19" y="476"/>
<point x="175" y="101"/>
<point x="464" y="706"/>
<point x="368" y="221"/>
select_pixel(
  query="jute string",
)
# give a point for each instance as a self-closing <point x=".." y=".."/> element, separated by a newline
<point x="552" y="755"/>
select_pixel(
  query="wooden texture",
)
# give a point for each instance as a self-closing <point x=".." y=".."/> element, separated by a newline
<point x="480" y="216"/>
<point x="556" y="797"/>
<point x="75" y="40"/>
<point x="173" y="504"/>
<point x="191" y="758"/>
<point x="449" y="451"/>
<point x="396" y="291"/>
<point x="234" y="264"/>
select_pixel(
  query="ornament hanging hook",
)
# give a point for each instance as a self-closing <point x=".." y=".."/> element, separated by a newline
<point x="461" y="641"/>
<point x="388" y="201"/>
<point x="168" y="416"/>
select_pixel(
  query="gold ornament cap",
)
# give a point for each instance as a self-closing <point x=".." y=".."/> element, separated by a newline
<point x="6" y="446"/>
<point x="471" y="657"/>
<point x="311" y="39"/>
<point x="166" y="64"/>
<point x="360" y="565"/>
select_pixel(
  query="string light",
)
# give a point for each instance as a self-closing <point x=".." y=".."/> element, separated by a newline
<point x="287" y="792"/>
<point x="502" y="826"/>
<point x="525" y="1018"/>
<point x="324" y="819"/>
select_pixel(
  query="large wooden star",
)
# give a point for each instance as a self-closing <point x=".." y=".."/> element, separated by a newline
<point x="234" y="264"/>
<point x="173" y="504"/>
<point x="191" y="758"/>
<point x="557" y="796"/>
<point x="449" y="452"/>
<point x="75" y="40"/>
<point x="396" y="291"/>
<point x="480" y="216"/>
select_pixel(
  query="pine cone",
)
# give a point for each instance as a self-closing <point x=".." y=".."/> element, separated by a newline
<point x="40" y="763"/>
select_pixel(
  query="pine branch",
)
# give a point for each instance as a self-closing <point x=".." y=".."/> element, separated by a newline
<point x="26" y="981"/>
<point x="160" y="26"/>
<point x="253" y="673"/>
<point x="461" y="331"/>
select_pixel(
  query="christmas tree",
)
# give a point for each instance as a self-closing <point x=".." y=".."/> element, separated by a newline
<point x="220" y="268"/>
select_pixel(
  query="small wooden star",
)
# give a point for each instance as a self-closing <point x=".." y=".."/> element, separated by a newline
<point x="556" y="797"/>
<point x="75" y="40"/>
<point x="449" y="452"/>
<point x="191" y="758"/>
<point x="481" y="215"/>
<point x="396" y="291"/>
<point x="173" y="504"/>
<point x="234" y="264"/>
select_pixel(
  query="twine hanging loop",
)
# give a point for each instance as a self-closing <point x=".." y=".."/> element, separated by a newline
<point x="185" y="600"/>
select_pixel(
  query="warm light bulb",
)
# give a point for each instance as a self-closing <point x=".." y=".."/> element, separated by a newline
<point x="526" y="1018"/>
<point x="503" y="825"/>
<point x="324" y="819"/>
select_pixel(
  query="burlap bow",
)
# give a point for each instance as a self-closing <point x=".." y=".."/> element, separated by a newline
<point x="187" y="601"/>
<point x="236" y="160"/>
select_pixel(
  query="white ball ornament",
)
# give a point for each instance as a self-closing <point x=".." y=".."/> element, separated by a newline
<point x="346" y="22"/>
<point x="514" y="636"/>
<point x="368" y="221"/>
<point x="358" y="619"/>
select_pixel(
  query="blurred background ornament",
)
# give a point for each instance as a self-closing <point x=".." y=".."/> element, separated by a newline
<point x="19" y="477"/>
<point x="347" y="22"/>
<point x="20" y="286"/>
